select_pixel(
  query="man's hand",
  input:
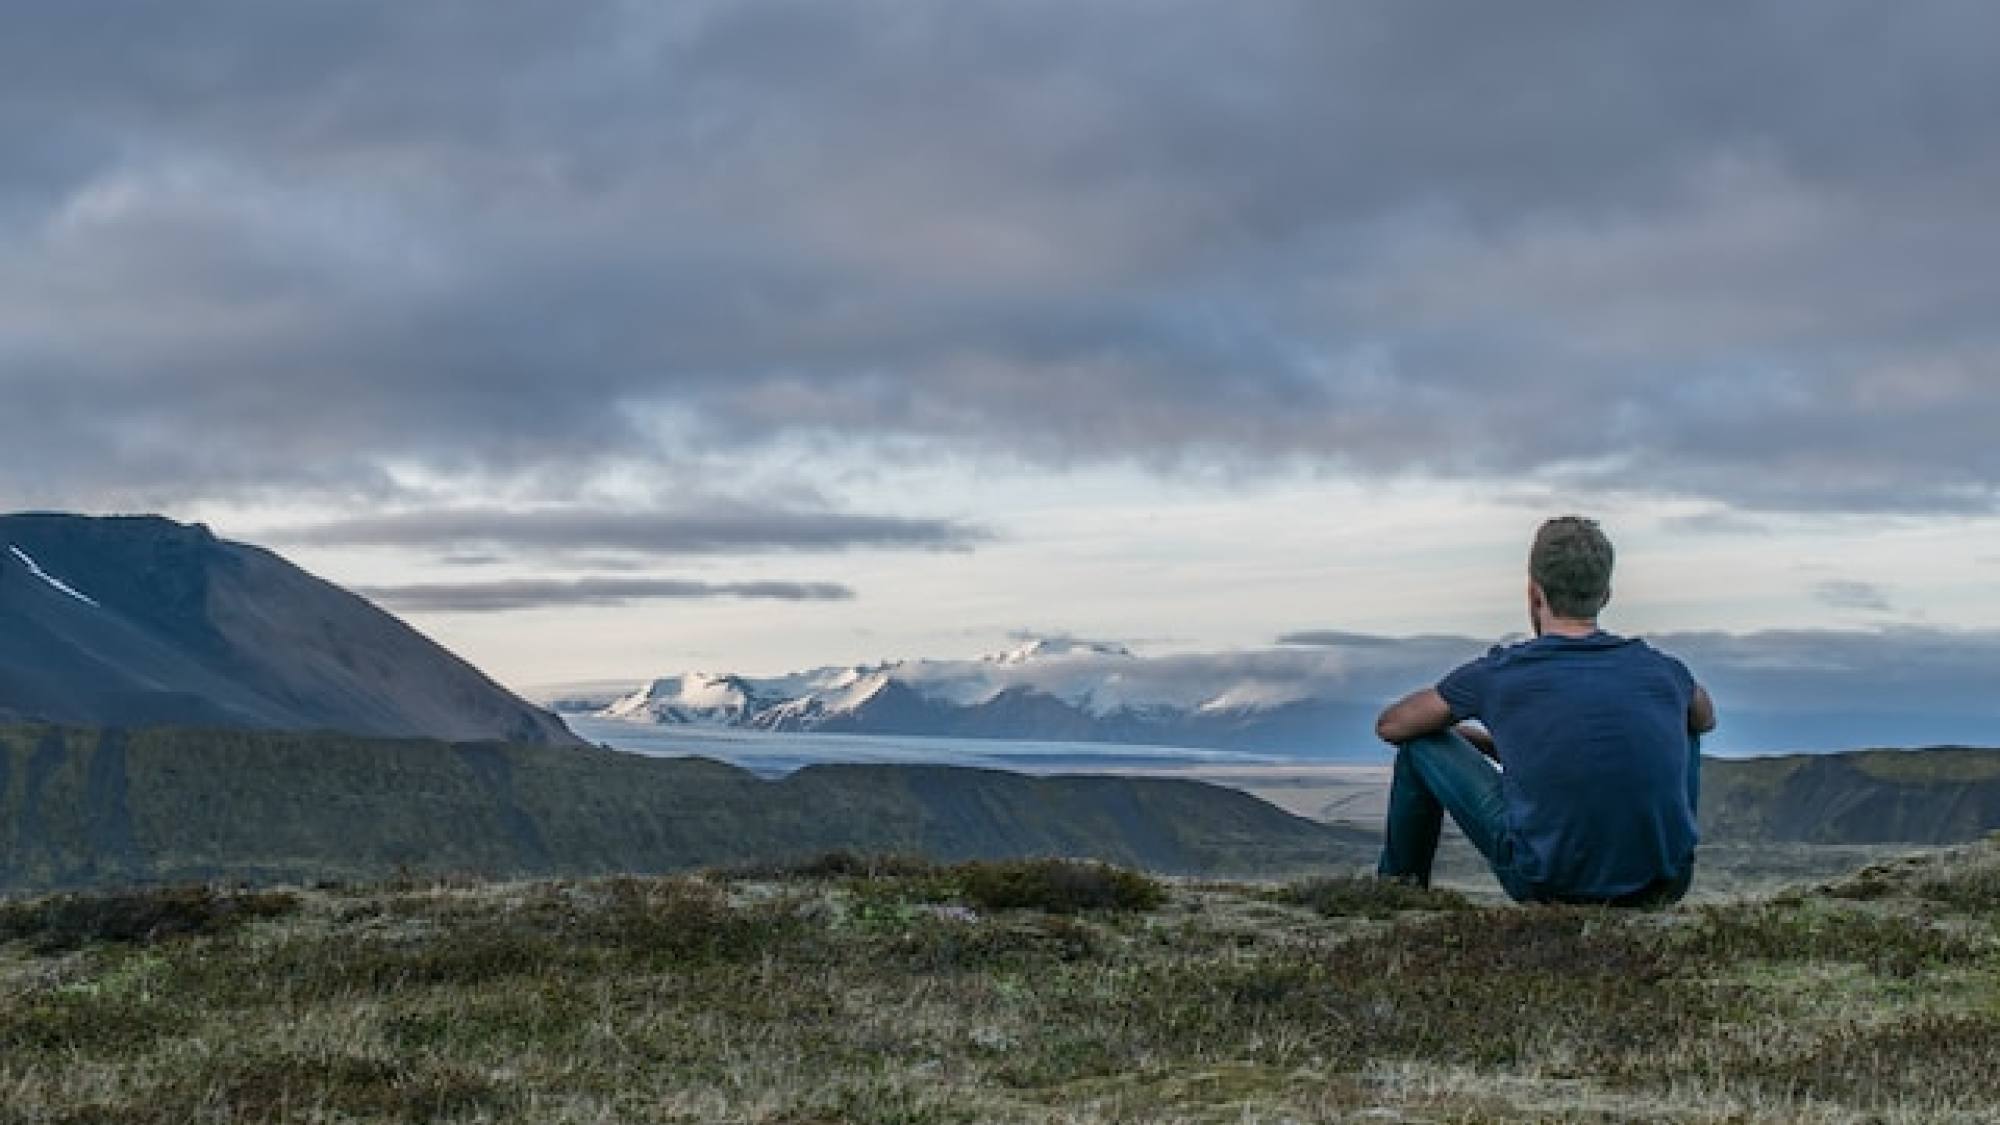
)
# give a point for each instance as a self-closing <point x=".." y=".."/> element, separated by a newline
<point x="1418" y="714"/>
<point x="1701" y="712"/>
<point x="1480" y="737"/>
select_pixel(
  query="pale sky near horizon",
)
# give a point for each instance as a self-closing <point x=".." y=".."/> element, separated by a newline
<point x="605" y="341"/>
<point x="1222" y="565"/>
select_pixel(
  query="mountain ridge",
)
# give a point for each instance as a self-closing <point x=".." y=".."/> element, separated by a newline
<point x="139" y="620"/>
<point x="1934" y="795"/>
<point x="1047" y="689"/>
<point x="81" y="807"/>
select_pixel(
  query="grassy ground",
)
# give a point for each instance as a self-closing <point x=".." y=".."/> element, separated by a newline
<point x="1725" y="870"/>
<point x="897" y="992"/>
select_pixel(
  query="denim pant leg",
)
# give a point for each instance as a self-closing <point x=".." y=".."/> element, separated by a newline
<point x="1680" y="886"/>
<point x="1435" y="774"/>
<point x="1694" y="774"/>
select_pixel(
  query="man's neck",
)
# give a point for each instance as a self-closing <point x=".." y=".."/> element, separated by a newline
<point x="1553" y="626"/>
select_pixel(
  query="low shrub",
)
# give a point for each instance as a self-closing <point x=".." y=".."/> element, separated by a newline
<point x="1975" y="889"/>
<point x="941" y="946"/>
<point x="837" y="864"/>
<point x="1925" y="1061"/>
<point x="65" y="922"/>
<point x="285" y="1086"/>
<point x="69" y="1022"/>
<point x="1365" y="897"/>
<point x="1892" y="944"/>
<point x="1572" y="941"/>
<point x="555" y="929"/>
<point x="683" y="919"/>
<point x="1058" y="886"/>
<point x="1478" y="988"/>
<point x="1965" y="879"/>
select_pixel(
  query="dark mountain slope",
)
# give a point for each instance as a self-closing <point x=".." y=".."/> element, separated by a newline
<point x="134" y="621"/>
<point x="83" y="807"/>
<point x="1938" y="796"/>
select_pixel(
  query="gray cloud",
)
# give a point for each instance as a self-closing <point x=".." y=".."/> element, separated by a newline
<point x="494" y="597"/>
<point x="1849" y="594"/>
<point x="577" y="529"/>
<point x="1740" y="255"/>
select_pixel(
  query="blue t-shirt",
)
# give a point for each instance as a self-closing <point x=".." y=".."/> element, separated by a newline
<point x="1597" y="764"/>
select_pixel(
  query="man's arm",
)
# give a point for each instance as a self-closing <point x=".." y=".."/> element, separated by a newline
<point x="1414" y="716"/>
<point x="1701" y="712"/>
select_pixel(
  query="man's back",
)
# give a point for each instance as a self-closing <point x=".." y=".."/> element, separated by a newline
<point x="1593" y="796"/>
<point x="1599" y="775"/>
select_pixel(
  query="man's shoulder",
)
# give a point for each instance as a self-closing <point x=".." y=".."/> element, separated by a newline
<point x="1562" y="650"/>
<point x="1673" y="663"/>
<point x="1552" y="655"/>
<point x="1493" y="658"/>
<point x="1508" y="649"/>
<point x="1647" y="648"/>
<point x="1636" y="658"/>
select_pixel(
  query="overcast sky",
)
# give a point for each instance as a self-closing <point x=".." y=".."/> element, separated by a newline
<point x="613" y="339"/>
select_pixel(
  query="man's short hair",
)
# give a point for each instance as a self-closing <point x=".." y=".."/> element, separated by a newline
<point x="1571" y="562"/>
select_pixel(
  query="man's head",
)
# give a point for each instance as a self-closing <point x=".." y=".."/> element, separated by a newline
<point x="1571" y="567"/>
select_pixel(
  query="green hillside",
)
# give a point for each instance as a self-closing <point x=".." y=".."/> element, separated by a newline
<point x="1937" y="796"/>
<point x="81" y="808"/>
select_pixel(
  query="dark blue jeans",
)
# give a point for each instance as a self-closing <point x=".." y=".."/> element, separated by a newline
<point x="1442" y="773"/>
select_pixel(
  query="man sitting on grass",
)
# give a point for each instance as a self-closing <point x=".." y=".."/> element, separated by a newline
<point x="1579" y="782"/>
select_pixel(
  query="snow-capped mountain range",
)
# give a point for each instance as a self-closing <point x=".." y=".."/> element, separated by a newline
<point x="1316" y="694"/>
<point x="1045" y="689"/>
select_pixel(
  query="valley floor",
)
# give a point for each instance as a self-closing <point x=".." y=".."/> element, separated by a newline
<point x="1017" y="992"/>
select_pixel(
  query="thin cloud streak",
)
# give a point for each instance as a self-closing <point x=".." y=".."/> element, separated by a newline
<point x="1339" y="638"/>
<point x="1850" y="594"/>
<point x="519" y="594"/>
<point x="570" y="529"/>
<point x="1903" y="668"/>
